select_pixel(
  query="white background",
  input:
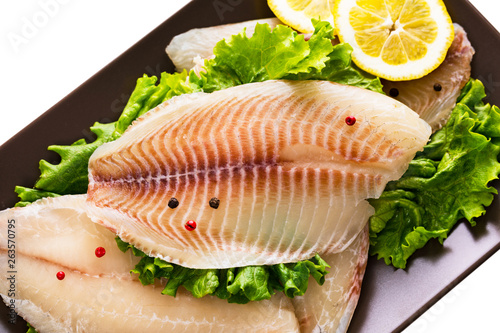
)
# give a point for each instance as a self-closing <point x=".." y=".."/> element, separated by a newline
<point x="49" y="47"/>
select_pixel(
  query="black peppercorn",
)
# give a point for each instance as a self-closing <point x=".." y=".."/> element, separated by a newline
<point x="214" y="203"/>
<point x="173" y="203"/>
<point x="394" y="92"/>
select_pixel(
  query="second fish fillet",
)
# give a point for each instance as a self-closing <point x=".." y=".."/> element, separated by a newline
<point x="99" y="295"/>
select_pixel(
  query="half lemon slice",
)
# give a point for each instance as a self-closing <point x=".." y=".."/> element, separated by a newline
<point x="298" y="13"/>
<point x="395" y="39"/>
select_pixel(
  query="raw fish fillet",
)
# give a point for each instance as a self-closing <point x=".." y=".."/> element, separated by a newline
<point x="99" y="294"/>
<point x="290" y="174"/>
<point x="51" y="230"/>
<point x="190" y="48"/>
<point x="329" y="308"/>
<point x="451" y="76"/>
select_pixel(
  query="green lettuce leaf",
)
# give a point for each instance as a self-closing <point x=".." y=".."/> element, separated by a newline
<point x="339" y="68"/>
<point x="29" y="195"/>
<point x="293" y="278"/>
<point x="282" y="54"/>
<point x="70" y="176"/>
<point x="148" y="94"/>
<point x="449" y="180"/>
<point x="199" y="282"/>
<point x="237" y="285"/>
<point x="31" y="329"/>
<point x="267" y="55"/>
<point x="250" y="283"/>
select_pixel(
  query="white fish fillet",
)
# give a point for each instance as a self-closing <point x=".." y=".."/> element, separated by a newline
<point x="51" y="230"/>
<point x="329" y="308"/>
<point x="452" y="75"/>
<point x="187" y="49"/>
<point x="291" y="176"/>
<point x="98" y="294"/>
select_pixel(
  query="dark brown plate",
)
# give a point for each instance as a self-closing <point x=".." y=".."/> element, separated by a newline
<point x="390" y="299"/>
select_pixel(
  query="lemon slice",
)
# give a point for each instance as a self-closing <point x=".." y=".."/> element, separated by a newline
<point x="395" y="39"/>
<point x="298" y="13"/>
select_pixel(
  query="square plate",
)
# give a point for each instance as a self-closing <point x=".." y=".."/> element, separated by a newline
<point x="390" y="299"/>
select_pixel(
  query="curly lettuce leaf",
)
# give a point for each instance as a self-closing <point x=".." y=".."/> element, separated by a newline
<point x="267" y="55"/>
<point x="293" y="278"/>
<point x="237" y="285"/>
<point x="282" y="53"/>
<point x="31" y="329"/>
<point x="448" y="181"/>
<point x="29" y="195"/>
<point x="148" y="94"/>
<point x="70" y="176"/>
<point x="250" y="283"/>
<point x="339" y="68"/>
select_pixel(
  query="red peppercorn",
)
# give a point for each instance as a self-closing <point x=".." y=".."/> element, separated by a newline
<point x="100" y="251"/>
<point x="190" y="225"/>
<point x="60" y="275"/>
<point x="350" y="120"/>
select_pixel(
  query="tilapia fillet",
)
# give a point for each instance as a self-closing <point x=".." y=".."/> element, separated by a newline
<point x="330" y="307"/>
<point x="290" y="175"/>
<point x="434" y="96"/>
<point x="99" y="294"/>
